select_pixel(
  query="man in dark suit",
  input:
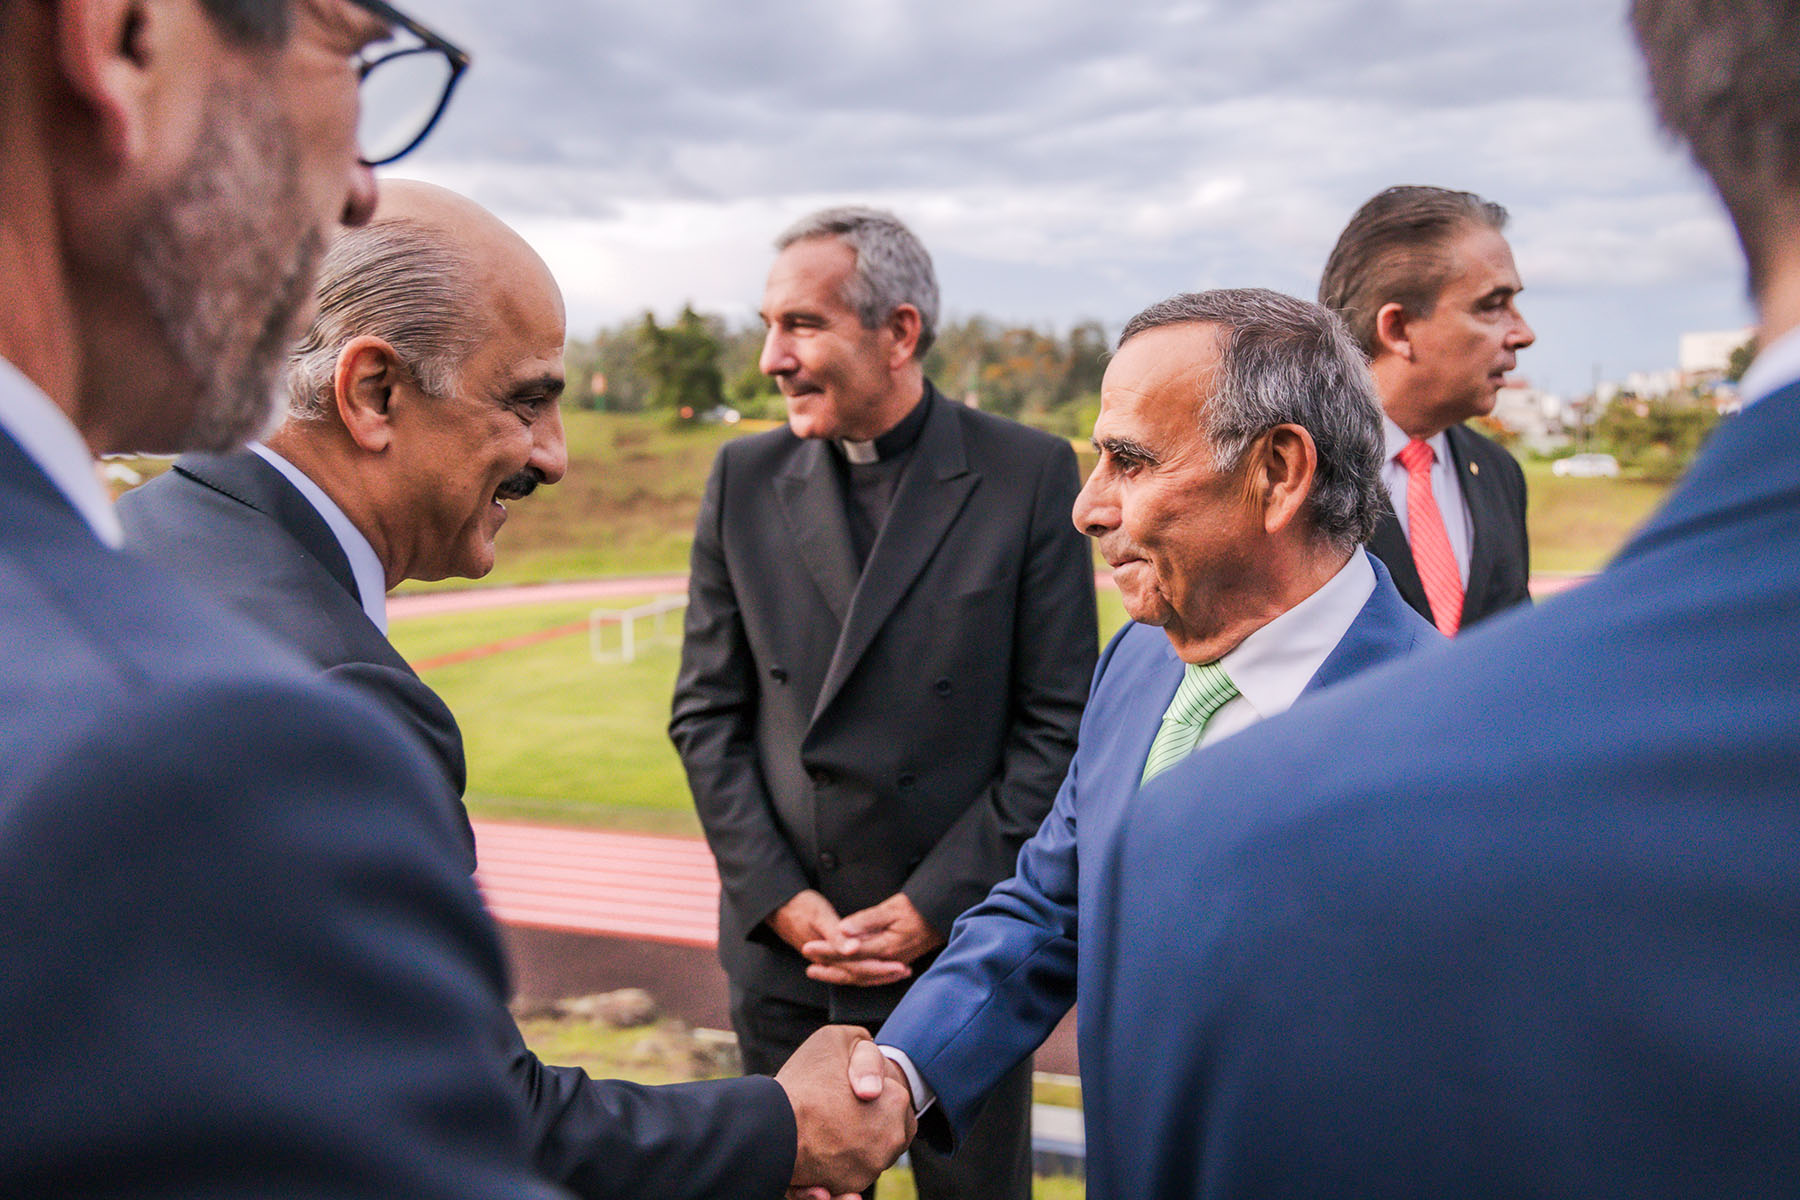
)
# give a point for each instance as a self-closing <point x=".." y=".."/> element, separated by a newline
<point x="1538" y="933"/>
<point x="424" y="398"/>
<point x="1232" y="504"/>
<point x="1425" y="281"/>
<point x="237" y="954"/>
<point x="889" y="631"/>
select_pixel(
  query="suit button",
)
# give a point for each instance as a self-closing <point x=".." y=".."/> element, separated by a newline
<point x="778" y="674"/>
<point x="820" y="777"/>
<point x="828" y="860"/>
<point x="941" y="687"/>
<point x="907" y="779"/>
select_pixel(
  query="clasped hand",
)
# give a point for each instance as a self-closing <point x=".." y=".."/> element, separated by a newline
<point x="853" y="1113"/>
<point x="865" y="949"/>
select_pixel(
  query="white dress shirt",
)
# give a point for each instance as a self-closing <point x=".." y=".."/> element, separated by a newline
<point x="1446" y="489"/>
<point x="1271" y="668"/>
<point x="1776" y="366"/>
<point x="51" y="441"/>
<point x="371" y="580"/>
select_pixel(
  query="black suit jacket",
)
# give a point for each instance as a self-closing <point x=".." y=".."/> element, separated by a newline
<point x="236" y="525"/>
<point x="1493" y="486"/>
<point x="904" y="730"/>
<point x="239" y="955"/>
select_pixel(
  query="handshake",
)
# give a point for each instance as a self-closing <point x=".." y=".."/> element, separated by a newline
<point x="853" y="1112"/>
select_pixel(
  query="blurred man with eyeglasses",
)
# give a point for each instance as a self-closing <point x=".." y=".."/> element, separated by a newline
<point x="239" y="955"/>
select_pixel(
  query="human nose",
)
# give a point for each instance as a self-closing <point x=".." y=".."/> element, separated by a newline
<point x="1522" y="334"/>
<point x="549" y="452"/>
<point x="1096" y="511"/>
<point x="777" y="353"/>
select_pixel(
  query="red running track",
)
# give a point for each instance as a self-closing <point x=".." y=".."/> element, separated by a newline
<point x="660" y="889"/>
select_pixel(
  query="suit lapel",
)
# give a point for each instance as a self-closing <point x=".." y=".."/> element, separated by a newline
<point x="1385" y="627"/>
<point x="812" y="504"/>
<point x="252" y="482"/>
<point x="1389" y="544"/>
<point x="1486" y="511"/>
<point x="36" y="510"/>
<point x="932" y="491"/>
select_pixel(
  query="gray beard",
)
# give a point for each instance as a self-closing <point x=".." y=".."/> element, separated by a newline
<point x="227" y="261"/>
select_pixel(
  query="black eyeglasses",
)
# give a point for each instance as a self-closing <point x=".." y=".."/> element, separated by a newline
<point x="403" y="101"/>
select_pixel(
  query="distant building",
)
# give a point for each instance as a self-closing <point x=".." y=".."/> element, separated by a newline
<point x="1704" y="357"/>
<point x="1528" y="412"/>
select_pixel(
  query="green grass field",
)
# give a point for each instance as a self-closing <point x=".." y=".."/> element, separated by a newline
<point x="1577" y="524"/>
<point x="554" y="736"/>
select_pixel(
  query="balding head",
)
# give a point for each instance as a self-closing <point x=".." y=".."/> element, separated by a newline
<point x="424" y="398"/>
<point x="425" y="276"/>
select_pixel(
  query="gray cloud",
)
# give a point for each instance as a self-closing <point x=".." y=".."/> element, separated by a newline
<point x="1066" y="159"/>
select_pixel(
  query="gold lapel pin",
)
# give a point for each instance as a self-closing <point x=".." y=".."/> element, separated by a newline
<point x="1474" y="468"/>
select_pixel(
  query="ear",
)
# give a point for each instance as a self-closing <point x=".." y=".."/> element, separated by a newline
<point x="1391" y="336"/>
<point x="903" y="325"/>
<point x="1285" y="462"/>
<point x="114" y="56"/>
<point x="365" y="385"/>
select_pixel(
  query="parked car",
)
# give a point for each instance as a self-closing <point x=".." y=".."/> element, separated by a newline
<point x="1587" y="466"/>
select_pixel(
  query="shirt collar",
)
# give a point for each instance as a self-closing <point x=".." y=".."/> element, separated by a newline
<point x="1272" y="666"/>
<point x="1398" y="438"/>
<point x="891" y="444"/>
<point x="50" y="440"/>
<point x="371" y="579"/>
<point x="1776" y="366"/>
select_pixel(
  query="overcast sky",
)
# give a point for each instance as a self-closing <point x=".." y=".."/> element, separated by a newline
<point x="1071" y="159"/>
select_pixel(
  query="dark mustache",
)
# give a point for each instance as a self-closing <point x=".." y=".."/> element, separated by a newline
<point x="520" y="484"/>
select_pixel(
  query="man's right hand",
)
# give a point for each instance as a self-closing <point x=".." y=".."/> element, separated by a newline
<point x="808" y="917"/>
<point x="852" y="1109"/>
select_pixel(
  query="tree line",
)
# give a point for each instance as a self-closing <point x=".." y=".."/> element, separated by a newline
<point x="699" y="363"/>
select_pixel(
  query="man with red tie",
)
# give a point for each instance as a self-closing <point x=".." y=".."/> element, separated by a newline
<point x="1425" y="280"/>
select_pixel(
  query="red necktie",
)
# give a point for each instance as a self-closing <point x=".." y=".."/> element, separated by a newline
<point x="1430" y="543"/>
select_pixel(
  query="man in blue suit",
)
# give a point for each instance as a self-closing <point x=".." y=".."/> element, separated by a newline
<point x="1538" y="932"/>
<point x="1240" y="451"/>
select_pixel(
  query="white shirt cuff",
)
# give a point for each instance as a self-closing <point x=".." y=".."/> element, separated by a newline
<point x="923" y="1096"/>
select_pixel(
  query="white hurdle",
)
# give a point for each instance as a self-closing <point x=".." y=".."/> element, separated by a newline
<point x="626" y="619"/>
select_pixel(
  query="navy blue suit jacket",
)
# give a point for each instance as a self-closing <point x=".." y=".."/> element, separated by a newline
<point x="1538" y="935"/>
<point x="1009" y="973"/>
<point x="238" y="953"/>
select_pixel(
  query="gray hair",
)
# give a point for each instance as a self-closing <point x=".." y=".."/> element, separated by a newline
<point x="1284" y="361"/>
<point x="397" y="281"/>
<point x="1396" y="250"/>
<point x="1723" y="84"/>
<point x="892" y="265"/>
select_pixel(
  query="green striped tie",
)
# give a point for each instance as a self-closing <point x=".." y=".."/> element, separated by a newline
<point x="1204" y="690"/>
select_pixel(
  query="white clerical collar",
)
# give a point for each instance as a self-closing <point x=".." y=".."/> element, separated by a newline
<point x="860" y="453"/>
<point x="1776" y="366"/>
<point x="371" y="580"/>
<point x="50" y="440"/>
<point x="1272" y="666"/>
